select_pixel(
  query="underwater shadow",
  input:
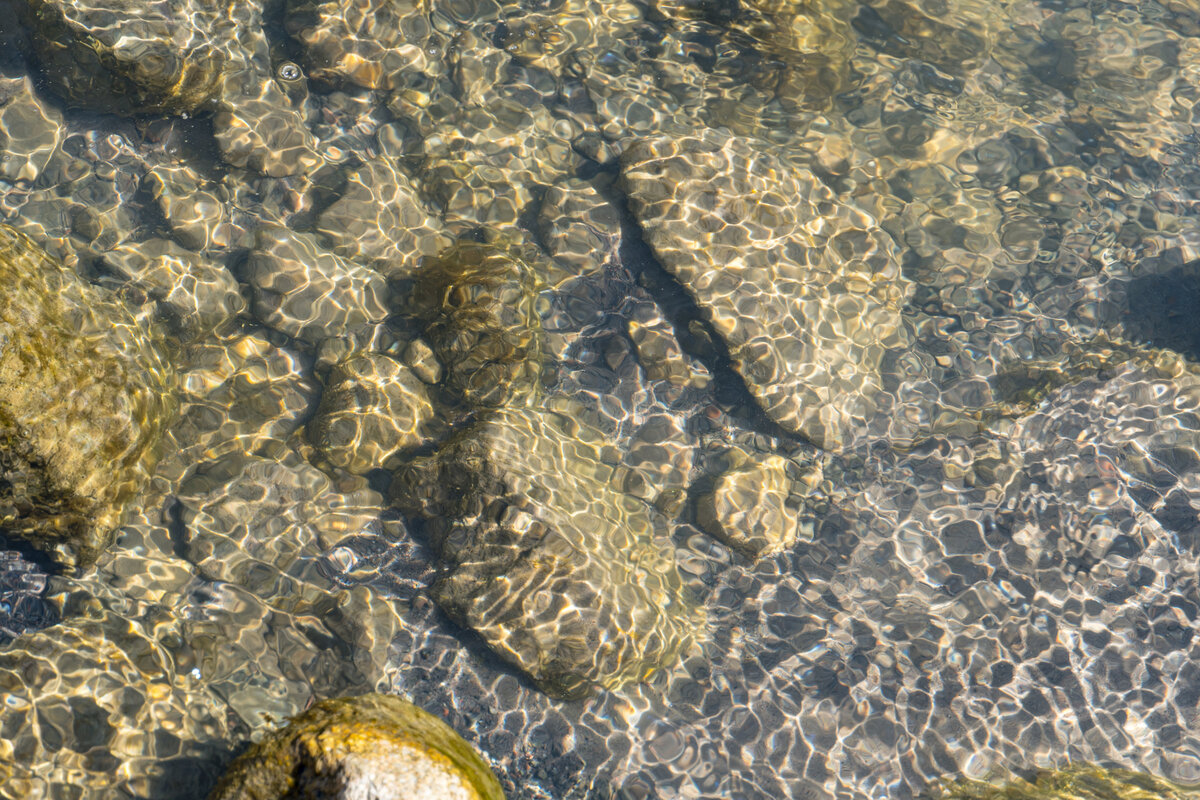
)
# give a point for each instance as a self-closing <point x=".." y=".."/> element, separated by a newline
<point x="1164" y="310"/>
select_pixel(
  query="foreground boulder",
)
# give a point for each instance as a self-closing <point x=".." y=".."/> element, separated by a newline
<point x="375" y="746"/>
<point x="84" y="397"/>
<point x="563" y="575"/>
<point x="805" y="290"/>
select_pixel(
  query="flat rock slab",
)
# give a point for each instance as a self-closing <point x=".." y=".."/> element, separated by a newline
<point x="805" y="289"/>
<point x="563" y="575"/>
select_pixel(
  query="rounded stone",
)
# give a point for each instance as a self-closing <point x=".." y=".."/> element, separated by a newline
<point x="751" y="509"/>
<point x="373" y="410"/>
<point x="375" y="745"/>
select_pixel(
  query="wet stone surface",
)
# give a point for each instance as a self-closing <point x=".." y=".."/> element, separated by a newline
<point x="594" y="286"/>
<point x="558" y="570"/>
<point x="805" y="291"/>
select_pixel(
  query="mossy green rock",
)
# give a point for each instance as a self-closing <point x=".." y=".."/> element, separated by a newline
<point x="478" y="305"/>
<point x="375" y="746"/>
<point x="84" y="398"/>
<point x="1077" y="782"/>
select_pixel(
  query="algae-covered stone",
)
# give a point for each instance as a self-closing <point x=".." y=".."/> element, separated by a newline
<point x="805" y="289"/>
<point x="373" y="746"/>
<point x="130" y="55"/>
<point x="84" y="397"/>
<point x="478" y="305"/>
<point x="373" y="410"/>
<point x="755" y="507"/>
<point x="1076" y="782"/>
<point x="562" y="574"/>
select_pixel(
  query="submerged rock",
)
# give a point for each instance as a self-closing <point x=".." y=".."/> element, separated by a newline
<point x="1077" y="782"/>
<point x="140" y="57"/>
<point x="374" y="746"/>
<point x="373" y="410"/>
<point x="308" y="292"/>
<point x="84" y="397"/>
<point x="380" y="220"/>
<point x="371" y="44"/>
<point x="795" y="50"/>
<point x="477" y="304"/>
<point x="195" y="212"/>
<point x="805" y="289"/>
<point x="30" y="130"/>
<point x="754" y="507"/>
<point x="482" y="165"/>
<point x="23" y="606"/>
<point x="197" y="294"/>
<point x="565" y="576"/>
<point x="129" y="56"/>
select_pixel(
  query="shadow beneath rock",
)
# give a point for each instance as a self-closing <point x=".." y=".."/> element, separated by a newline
<point x="24" y="577"/>
<point x="1164" y="310"/>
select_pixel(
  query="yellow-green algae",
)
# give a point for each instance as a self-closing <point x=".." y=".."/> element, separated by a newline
<point x="1073" y="782"/>
<point x="84" y="398"/>
<point x="303" y="760"/>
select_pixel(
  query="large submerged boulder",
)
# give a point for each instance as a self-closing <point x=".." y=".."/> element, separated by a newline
<point x="84" y="398"/>
<point x="374" y="746"/>
<point x="562" y="574"/>
<point x="805" y="289"/>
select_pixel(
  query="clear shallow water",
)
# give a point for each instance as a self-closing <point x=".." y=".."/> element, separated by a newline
<point x="998" y="569"/>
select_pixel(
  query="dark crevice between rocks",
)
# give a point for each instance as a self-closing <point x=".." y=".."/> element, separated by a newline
<point x="1162" y="310"/>
<point x="695" y="333"/>
<point x="176" y="527"/>
<point x="24" y="578"/>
